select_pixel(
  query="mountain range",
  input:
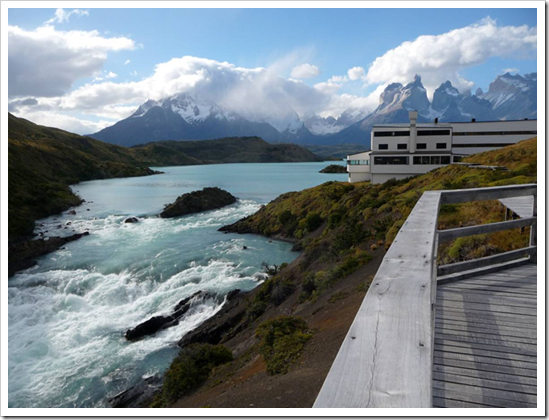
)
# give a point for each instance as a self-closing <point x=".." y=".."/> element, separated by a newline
<point x="188" y="116"/>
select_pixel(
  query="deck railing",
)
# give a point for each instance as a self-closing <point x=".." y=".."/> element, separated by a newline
<point x="386" y="359"/>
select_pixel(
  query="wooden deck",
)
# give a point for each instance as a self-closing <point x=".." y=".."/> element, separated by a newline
<point x="522" y="206"/>
<point x="485" y="340"/>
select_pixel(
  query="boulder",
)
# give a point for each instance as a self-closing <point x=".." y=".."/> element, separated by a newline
<point x="131" y="220"/>
<point x="198" y="201"/>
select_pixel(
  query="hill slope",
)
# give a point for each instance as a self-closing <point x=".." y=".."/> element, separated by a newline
<point x="225" y="150"/>
<point x="43" y="162"/>
<point x="343" y="230"/>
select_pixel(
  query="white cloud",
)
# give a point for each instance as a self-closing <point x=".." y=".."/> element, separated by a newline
<point x="64" y="121"/>
<point x="46" y="62"/>
<point x="510" y="70"/>
<point x="356" y="73"/>
<point x="133" y="73"/>
<point x="105" y="76"/>
<point x="126" y="62"/>
<point x="305" y="71"/>
<point x="438" y="58"/>
<point x="62" y="16"/>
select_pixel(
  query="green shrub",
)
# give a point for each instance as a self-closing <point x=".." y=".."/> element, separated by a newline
<point x="313" y="222"/>
<point x="281" y="342"/>
<point x="285" y="217"/>
<point x="189" y="369"/>
<point x="352" y="234"/>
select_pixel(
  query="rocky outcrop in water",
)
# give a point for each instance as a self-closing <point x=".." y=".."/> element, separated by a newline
<point x="161" y="322"/>
<point x="225" y="321"/>
<point x="198" y="201"/>
<point x="139" y="395"/>
<point x="334" y="169"/>
<point x="22" y="255"/>
<point x="131" y="220"/>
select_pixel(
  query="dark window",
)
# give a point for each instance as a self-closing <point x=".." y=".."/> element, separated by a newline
<point x="433" y="133"/>
<point x="482" y="144"/>
<point x="431" y="160"/>
<point x="391" y="160"/>
<point x="421" y="146"/>
<point x="441" y="145"/>
<point x="391" y="133"/>
<point x="457" y="159"/>
<point x="493" y="133"/>
<point x="421" y="160"/>
<point x="402" y="146"/>
<point x="383" y="147"/>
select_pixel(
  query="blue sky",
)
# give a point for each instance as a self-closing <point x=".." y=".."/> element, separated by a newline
<point x="333" y="40"/>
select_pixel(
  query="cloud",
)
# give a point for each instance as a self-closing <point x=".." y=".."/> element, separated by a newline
<point x="305" y="71"/>
<point x="126" y="62"/>
<point x="62" y="16"/>
<point x="46" y="62"/>
<point x="133" y="73"/>
<point x="510" y="70"/>
<point x="438" y="58"/>
<point x="64" y="121"/>
<point x="356" y="73"/>
<point x="105" y="76"/>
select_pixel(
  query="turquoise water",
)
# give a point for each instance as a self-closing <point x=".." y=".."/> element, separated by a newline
<point x="67" y="316"/>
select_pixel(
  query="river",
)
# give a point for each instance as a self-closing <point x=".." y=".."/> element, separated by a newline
<point x="68" y="314"/>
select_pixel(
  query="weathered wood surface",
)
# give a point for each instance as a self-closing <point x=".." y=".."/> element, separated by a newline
<point x="386" y="357"/>
<point x="485" y="352"/>
<point x="522" y="206"/>
<point x="490" y="193"/>
<point x="447" y="269"/>
<point x="449" y="234"/>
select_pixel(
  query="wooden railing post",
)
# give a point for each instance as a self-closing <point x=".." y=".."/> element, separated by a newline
<point x="534" y="228"/>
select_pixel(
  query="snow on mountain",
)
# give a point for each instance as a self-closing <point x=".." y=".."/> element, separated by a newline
<point x="188" y="116"/>
<point x="513" y="96"/>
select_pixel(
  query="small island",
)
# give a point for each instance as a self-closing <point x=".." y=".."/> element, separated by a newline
<point x="334" y="169"/>
<point x="197" y="201"/>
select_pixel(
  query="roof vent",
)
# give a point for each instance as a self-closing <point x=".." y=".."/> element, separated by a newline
<point x="436" y="120"/>
<point x="526" y="119"/>
<point x="473" y="120"/>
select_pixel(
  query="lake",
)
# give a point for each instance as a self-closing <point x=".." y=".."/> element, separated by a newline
<point x="68" y="315"/>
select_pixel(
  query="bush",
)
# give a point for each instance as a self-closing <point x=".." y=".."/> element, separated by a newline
<point x="313" y="222"/>
<point x="352" y="234"/>
<point x="281" y="342"/>
<point x="285" y="217"/>
<point x="190" y="368"/>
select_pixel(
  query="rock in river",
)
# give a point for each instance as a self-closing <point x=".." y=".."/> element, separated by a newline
<point x="197" y="201"/>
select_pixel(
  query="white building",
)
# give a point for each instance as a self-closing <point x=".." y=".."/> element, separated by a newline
<point x="402" y="150"/>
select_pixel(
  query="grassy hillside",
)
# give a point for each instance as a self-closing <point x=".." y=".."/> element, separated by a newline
<point x="344" y="230"/>
<point x="337" y="151"/>
<point x="226" y="150"/>
<point x="43" y="162"/>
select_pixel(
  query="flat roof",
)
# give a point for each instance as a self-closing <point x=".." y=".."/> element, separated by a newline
<point x="442" y="123"/>
<point x="358" y="153"/>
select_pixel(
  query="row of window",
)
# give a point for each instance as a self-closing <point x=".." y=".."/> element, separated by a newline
<point x="404" y="146"/>
<point x="358" y="162"/>
<point x="418" y="160"/>
<point x="407" y="133"/>
<point x="431" y="160"/>
<point x="493" y="133"/>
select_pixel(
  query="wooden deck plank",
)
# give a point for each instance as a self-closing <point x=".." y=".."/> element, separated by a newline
<point x="479" y="328"/>
<point x="485" y="383"/>
<point x="486" y="392"/>
<point x="479" y="399"/>
<point x="486" y="360"/>
<point x="490" y="347"/>
<point x="487" y="353"/>
<point x="485" y="350"/>
<point x="483" y="374"/>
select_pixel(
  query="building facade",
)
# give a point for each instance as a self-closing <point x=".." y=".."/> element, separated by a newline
<point x="403" y="150"/>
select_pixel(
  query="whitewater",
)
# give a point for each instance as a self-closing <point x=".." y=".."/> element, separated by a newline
<point x="68" y="314"/>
